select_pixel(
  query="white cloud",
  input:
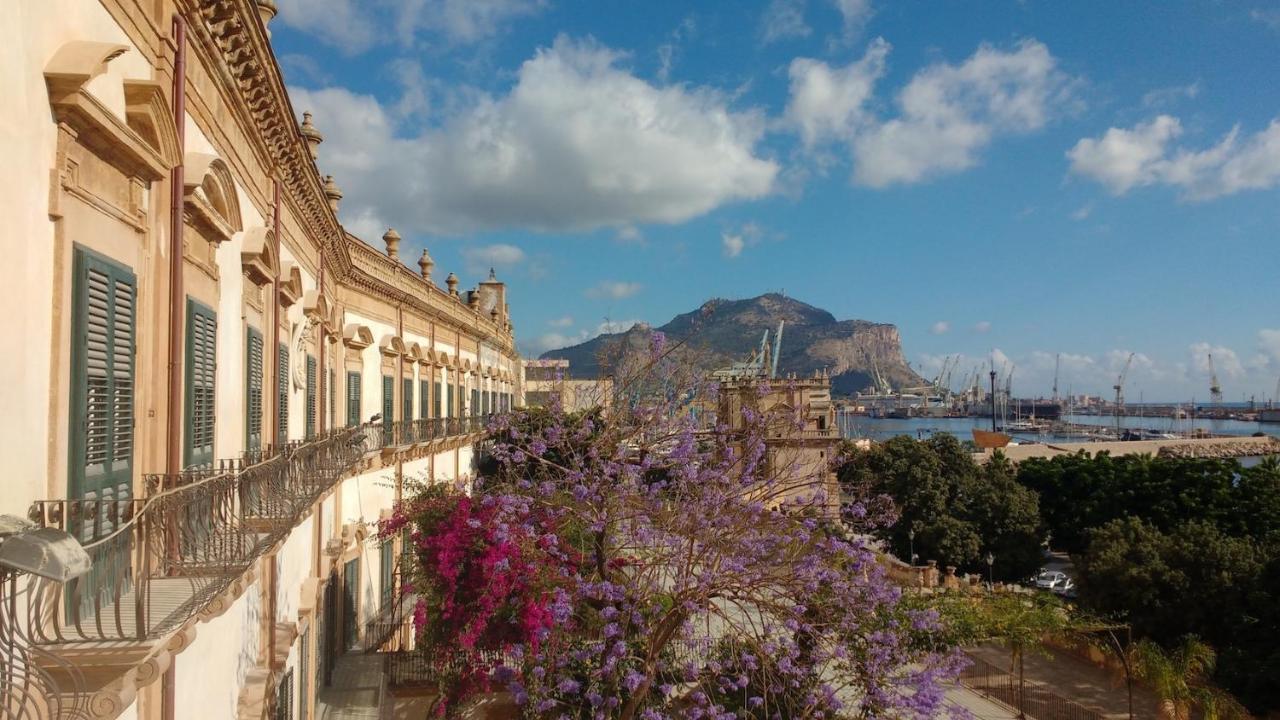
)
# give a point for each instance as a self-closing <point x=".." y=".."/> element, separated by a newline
<point x="1123" y="159"/>
<point x="629" y="235"/>
<point x="345" y="24"/>
<point x="578" y="143"/>
<point x="946" y="115"/>
<point x="982" y="326"/>
<point x="1225" y="361"/>
<point x="1083" y="212"/>
<point x="784" y="20"/>
<point x="460" y="21"/>
<point x="354" y="26"/>
<point x="1169" y="95"/>
<point x="487" y="256"/>
<point x="613" y="290"/>
<point x="828" y="103"/>
<point x="556" y="341"/>
<point x="732" y="243"/>
<point x="561" y="322"/>
<point x="940" y="328"/>
<point x="1269" y="17"/>
<point x="855" y="14"/>
<point x="1269" y="344"/>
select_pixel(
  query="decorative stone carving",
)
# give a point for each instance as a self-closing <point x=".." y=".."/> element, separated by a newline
<point x="311" y="135"/>
<point x="425" y="263"/>
<point x="392" y="240"/>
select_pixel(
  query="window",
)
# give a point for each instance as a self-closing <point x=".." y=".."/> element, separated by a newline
<point x="201" y="356"/>
<point x="448" y="398"/>
<point x="282" y="395"/>
<point x="436" y="400"/>
<point x="422" y="398"/>
<point x="388" y="401"/>
<point x="353" y="398"/>
<point x="102" y="367"/>
<point x="311" y="397"/>
<point x="253" y="390"/>
<point x="284" y="697"/>
<point x="406" y="399"/>
<point x="304" y="672"/>
<point x="387" y="572"/>
<point x="332" y="396"/>
<point x="475" y="402"/>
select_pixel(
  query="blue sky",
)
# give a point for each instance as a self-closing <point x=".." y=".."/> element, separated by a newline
<point x="1029" y="178"/>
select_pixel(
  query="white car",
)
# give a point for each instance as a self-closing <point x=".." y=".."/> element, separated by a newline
<point x="1051" y="579"/>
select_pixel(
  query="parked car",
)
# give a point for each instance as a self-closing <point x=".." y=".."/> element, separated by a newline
<point x="1066" y="588"/>
<point x="1050" y="580"/>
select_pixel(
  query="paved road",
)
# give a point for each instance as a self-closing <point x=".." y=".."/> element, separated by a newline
<point x="1075" y="680"/>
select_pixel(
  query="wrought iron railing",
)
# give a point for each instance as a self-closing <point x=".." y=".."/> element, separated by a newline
<point x="159" y="560"/>
<point x="1029" y="699"/>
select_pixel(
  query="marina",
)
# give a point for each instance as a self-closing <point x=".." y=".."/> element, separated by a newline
<point x="1071" y="428"/>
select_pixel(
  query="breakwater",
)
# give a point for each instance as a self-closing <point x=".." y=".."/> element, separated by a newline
<point x="1232" y="447"/>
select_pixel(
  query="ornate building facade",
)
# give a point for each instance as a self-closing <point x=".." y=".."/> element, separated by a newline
<point x="213" y="387"/>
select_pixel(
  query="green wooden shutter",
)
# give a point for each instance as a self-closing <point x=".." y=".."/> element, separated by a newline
<point x="311" y="397"/>
<point x="201" y="366"/>
<point x="353" y="399"/>
<point x="102" y="377"/>
<point x="448" y="405"/>
<point x="333" y="394"/>
<point x="475" y="403"/>
<point x="435" y="400"/>
<point x="388" y="401"/>
<point x="423" y="398"/>
<point x="282" y="394"/>
<point x="386" y="571"/>
<point x="406" y="399"/>
<point x="253" y="390"/>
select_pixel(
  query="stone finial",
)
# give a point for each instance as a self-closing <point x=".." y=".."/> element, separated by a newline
<point x="452" y="282"/>
<point x="332" y="192"/>
<point x="493" y="314"/>
<point x="311" y="135"/>
<point x="473" y="299"/>
<point x="493" y="276"/>
<point x="425" y="263"/>
<point x="392" y="239"/>
<point x="266" y="11"/>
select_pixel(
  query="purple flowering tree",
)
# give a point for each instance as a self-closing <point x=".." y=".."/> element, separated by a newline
<point x="645" y="563"/>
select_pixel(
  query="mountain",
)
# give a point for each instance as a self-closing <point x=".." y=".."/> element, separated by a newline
<point x="724" y="331"/>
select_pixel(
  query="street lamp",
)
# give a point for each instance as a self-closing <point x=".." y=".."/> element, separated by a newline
<point x="911" y="538"/>
<point x="991" y="561"/>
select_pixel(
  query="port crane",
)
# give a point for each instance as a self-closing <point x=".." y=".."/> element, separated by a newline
<point x="1057" y="365"/>
<point x="1215" y="388"/>
<point x="1119" y="388"/>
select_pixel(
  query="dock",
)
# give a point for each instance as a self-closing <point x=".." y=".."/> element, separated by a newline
<point x="1218" y="447"/>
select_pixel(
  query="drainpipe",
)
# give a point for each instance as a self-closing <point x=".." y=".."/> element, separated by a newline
<point x="322" y="381"/>
<point x="173" y="459"/>
<point x="275" y="311"/>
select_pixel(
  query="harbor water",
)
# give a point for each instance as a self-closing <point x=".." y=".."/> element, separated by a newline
<point x="862" y="426"/>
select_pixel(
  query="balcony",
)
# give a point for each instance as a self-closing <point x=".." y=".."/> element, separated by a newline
<point x="186" y="549"/>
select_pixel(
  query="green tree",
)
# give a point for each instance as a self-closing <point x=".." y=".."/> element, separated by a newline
<point x="949" y="508"/>
<point x="1180" y="677"/>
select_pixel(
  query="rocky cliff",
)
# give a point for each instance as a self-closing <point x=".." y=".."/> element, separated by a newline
<point x="723" y="331"/>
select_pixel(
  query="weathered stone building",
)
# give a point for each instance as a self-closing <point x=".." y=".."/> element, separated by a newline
<point x="210" y="384"/>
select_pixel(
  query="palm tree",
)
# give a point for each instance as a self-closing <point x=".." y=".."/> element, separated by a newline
<point x="1180" y="678"/>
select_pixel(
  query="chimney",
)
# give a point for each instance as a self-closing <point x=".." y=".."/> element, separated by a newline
<point x="332" y="192"/>
<point x="392" y="239"/>
<point x="311" y="135"/>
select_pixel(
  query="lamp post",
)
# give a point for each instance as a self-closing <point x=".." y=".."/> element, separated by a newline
<point x="911" y="538"/>
<point x="991" y="561"/>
